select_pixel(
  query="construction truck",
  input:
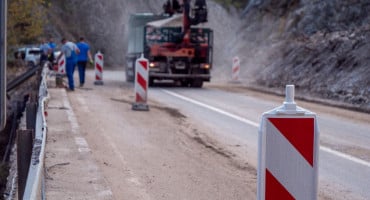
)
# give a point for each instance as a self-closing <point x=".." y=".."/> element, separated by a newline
<point x="178" y="46"/>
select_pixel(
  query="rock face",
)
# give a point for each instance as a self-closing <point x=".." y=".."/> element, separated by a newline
<point x="320" y="46"/>
<point x="102" y="23"/>
<point x="322" y="49"/>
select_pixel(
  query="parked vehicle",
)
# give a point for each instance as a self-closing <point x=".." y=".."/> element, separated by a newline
<point x="31" y="55"/>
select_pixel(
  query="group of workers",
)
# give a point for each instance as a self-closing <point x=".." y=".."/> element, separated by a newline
<point x="75" y="53"/>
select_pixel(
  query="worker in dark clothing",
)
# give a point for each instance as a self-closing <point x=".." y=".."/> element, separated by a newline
<point x="171" y="7"/>
<point x="200" y="3"/>
<point x="200" y="11"/>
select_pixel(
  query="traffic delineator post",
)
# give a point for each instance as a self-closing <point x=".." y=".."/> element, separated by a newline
<point x="288" y="152"/>
<point x="141" y="84"/>
<point x="235" y="69"/>
<point x="61" y="71"/>
<point x="61" y="64"/>
<point x="99" y="65"/>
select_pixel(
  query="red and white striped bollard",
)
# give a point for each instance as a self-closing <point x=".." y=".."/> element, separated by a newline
<point x="288" y="151"/>
<point x="61" y="71"/>
<point x="62" y="65"/>
<point x="99" y="65"/>
<point x="141" y="84"/>
<point x="235" y="69"/>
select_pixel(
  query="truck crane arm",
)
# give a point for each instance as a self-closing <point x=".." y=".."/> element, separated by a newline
<point x="199" y="11"/>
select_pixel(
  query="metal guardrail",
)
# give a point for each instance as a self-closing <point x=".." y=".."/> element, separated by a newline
<point x="22" y="78"/>
<point x="3" y="22"/>
<point x="35" y="186"/>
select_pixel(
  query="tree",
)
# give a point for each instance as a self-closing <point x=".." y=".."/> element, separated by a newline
<point x="26" y="19"/>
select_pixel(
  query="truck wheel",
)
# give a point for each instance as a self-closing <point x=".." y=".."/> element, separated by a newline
<point x="151" y="81"/>
<point x="31" y="64"/>
<point x="185" y="83"/>
<point x="198" y="83"/>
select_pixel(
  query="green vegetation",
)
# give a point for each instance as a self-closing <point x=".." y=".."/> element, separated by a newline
<point x="26" y="20"/>
<point x="239" y="4"/>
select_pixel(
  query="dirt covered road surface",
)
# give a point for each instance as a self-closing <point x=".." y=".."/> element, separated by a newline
<point x="99" y="148"/>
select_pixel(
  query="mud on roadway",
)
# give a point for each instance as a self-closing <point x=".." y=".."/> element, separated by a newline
<point x="159" y="154"/>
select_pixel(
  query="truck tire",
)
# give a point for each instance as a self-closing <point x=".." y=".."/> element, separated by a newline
<point x="184" y="83"/>
<point x="151" y="82"/>
<point x="197" y="83"/>
<point x="31" y="64"/>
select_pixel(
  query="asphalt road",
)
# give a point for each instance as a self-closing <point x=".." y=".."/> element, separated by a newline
<point x="192" y="144"/>
<point x="344" y="158"/>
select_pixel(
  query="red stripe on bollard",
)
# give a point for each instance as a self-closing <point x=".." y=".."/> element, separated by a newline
<point x="142" y="82"/>
<point x="144" y="64"/>
<point x="304" y="127"/>
<point x="274" y="190"/>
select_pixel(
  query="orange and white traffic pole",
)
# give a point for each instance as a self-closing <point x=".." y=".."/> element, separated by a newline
<point x="99" y="65"/>
<point x="141" y="84"/>
<point x="288" y="152"/>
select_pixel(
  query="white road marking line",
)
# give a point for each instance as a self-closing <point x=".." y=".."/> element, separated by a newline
<point x="81" y="142"/>
<point x="213" y="108"/>
<point x="83" y="146"/>
<point x="345" y="156"/>
<point x="105" y="193"/>
<point x="133" y="178"/>
<point x="70" y="114"/>
<point x="323" y="148"/>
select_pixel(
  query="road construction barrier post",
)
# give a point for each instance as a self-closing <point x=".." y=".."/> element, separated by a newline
<point x="288" y="152"/>
<point x="61" y="69"/>
<point x="99" y="65"/>
<point x="235" y="69"/>
<point x="141" y="84"/>
<point x="62" y="64"/>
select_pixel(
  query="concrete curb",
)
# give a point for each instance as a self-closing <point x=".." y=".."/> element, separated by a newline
<point x="300" y="96"/>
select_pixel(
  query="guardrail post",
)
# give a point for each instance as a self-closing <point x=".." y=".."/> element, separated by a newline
<point x="3" y="82"/>
<point x="24" y="151"/>
<point x="31" y="110"/>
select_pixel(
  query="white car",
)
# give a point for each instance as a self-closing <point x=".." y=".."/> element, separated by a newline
<point x="31" y="55"/>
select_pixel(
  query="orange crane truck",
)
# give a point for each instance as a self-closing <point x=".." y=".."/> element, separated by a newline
<point x="178" y="46"/>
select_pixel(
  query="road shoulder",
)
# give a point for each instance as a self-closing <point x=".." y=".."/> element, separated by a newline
<point x="71" y="172"/>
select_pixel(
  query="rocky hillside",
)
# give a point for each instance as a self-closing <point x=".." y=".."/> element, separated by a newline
<point x="320" y="46"/>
